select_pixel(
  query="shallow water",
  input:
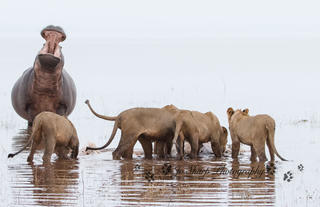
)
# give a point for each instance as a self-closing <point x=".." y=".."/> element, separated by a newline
<point x="97" y="180"/>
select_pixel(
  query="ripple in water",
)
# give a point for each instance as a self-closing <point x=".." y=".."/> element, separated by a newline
<point x="97" y="180"/>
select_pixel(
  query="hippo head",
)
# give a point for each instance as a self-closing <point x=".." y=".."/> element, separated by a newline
<point x="50" y="56"/>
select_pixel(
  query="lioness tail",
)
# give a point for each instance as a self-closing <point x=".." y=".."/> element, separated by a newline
<point x="271" y="130"/>
<point x="35" y="130"/>
<point x="109" y="118"/>
<point x="114" y="131"/>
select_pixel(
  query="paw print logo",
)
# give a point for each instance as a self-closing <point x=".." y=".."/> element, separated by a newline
<point x="300" y="167"/>
<point x="166" y="168"/>
<point x="288" y="176"/>
<point x="149" y="176"/>
<point x="137" y="167"/>
<point x="271" y="169"/>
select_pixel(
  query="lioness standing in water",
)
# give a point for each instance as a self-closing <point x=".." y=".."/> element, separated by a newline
<point x="254" y="131"/>
<point x="54" y="133"/>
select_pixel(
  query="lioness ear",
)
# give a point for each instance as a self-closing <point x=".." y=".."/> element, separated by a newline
<point x="246" y="111"/>
<point x="230" y="111"/>
<point x="224" y="130"/>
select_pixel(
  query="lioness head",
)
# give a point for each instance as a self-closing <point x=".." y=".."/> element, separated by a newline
<point x="223" y="139"/>
<point x="171" y="108"/>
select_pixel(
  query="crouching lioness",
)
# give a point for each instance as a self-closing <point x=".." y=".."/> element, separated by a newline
<point x="254" y="131"/>
<point x="54" y="133"/>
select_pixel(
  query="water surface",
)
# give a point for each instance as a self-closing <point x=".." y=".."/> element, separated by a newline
<point x="97" y="180"/>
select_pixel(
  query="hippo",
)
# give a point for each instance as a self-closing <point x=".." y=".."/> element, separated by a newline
<point x="46" y="86"/>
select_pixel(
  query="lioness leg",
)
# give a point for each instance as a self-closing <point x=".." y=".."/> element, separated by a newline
<point x="147" y="147"/>
<point x="62" y="152"/>
<point x="32" y="151"/>
<point x="235" y="148"/>
<point x="180" y="144"/>
<point x="260" y="150"/>
<point x="199" y="148"/>
<point x="215" y="144"/>
<point x="128" y="153"/>
<point x="159" y="149"/>
<point x="74" y="146"/>
<point x="36" y="139"/>
<point x="194" y="142"/>
<point x="125" y="146"/>
<point x="156" y="146"/>
<point x="216" y="148"/>
<point x="253" y="154"/>
<point x="50" y="144"/>
<point x="118" y="152"/>
<point x="168" y="147"/>
<point x="262" y="157"/>
<point x="116" y="155"/>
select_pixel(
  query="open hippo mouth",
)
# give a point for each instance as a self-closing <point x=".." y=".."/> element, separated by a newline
<point x="50" y="55"/>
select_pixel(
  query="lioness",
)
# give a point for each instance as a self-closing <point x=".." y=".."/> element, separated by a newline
<point x="145" y="125"/>
<point x="253" y="131"/>
<point x="54" y="133"/>
<point x="196" y="128"/>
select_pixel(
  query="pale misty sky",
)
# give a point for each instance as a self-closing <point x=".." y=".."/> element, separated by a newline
<point x="164" y="19"/>
<point x="196" y="54"/>
<point x="215" y="35"/>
